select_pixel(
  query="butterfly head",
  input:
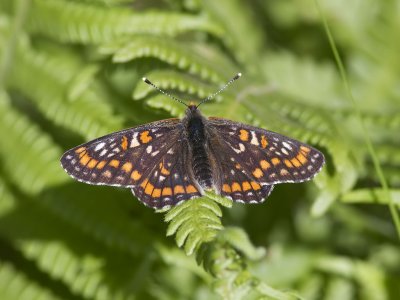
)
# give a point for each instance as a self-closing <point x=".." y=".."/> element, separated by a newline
<point x="192" y="110"/>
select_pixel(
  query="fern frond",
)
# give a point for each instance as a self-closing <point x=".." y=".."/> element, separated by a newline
<point x="15" y="285"/>
<point x="201" y="61"/>
<point x="245" y="38"/>
<point x="238" y="238"/>
<point x="194" y="223"/>
<point x="88" y="24"/>
<point x="85" y="268"/>
<point x="91" y="213"/>
<point x="28" y="154"/>
<point x="77" y="105"/>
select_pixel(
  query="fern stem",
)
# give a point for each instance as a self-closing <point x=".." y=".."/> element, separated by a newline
<point x="9" y="49"/>
<point x="366" y="137"/>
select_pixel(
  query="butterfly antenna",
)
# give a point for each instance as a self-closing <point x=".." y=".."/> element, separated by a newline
<point x="236" y="77"/>
<point x="162" y="91"/>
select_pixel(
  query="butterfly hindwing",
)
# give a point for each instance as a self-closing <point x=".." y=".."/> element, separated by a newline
<point x="255" y="159"/>
<point x="168" y="183"/>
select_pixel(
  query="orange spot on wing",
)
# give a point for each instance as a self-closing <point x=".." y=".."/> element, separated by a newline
<point x="244" y="135"/>
<point x="236" y="187"/>
<point x="295" y="162"/>
<point x="92" y="164"/>
<point x="275" y="161"/>
<point x="301" y="158"/>
<point x="288" y="163"/>
<point x="264" y="142"/>
<point x="144" y="182"/>
<point x="101" y="164"/>
<point x="114" y="163"/>
<point x="179" y="189"/>
<point x="145" y="137"/>
<point x="156" y="193"/>
<point x="127" y="167"/>
<point x="164" y="171"/>
<point x="85" y="159"/>
<point x="305" y="149"/>
<point x="136" y="175"/>
<point x="80" y="149"/>
<point x="258" y="173"/>
<point x="238" y="166"/>
<point x="226" y="188"/>
<point x="124" y="143"/>
<point x="264" y="164"/>
<point x="149" y="188"/>
<point x="255" y="185"/>
<point x="167" y="191"/>
<point x="191" y="189"/>
<point x="246" y="186"/>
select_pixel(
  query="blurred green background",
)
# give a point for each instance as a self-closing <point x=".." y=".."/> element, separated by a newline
<point x="71" y="71"/>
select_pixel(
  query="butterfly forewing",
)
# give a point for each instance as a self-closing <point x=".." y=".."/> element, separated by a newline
<point x="146" y="159"/>
<point x="255" y="158"/>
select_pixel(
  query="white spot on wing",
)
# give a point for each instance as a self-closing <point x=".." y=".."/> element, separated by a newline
<point x="170" y="151"/>
<point x="99" y="146"/>
<point x="134" y="141"/>
<point x="116" y="150"/>
<point x="149" y="149"/>
<point x="254" y="139"/>
<point x="241" y="148"/>
<point x="286" y="145"/>
<point x="155" y="153"/>
<point x="284" y="151"/>
<point x="102" y="153"/>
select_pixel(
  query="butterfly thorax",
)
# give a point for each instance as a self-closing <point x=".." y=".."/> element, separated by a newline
<point x="196" y="134"/>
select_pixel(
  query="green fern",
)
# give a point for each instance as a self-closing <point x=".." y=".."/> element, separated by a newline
<point x="79" y="22"/>
<point x="18" y="135"/>
<point x="199" y="61"/>
<point x="68" y="72"/>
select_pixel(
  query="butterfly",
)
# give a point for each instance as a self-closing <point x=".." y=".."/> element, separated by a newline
<point x="170" y="161"/>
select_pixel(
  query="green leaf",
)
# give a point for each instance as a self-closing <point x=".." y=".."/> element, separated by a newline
<point x="28" y="154"/>
<point x="194" y="222"/>
<point x="375" y="196"/>
<point x="83" y="23"/>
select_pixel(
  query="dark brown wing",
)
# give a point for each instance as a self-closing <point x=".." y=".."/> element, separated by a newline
<point x="168" y="182"/>
<point x="136" y="158"/>
<point x="255" y="159"/>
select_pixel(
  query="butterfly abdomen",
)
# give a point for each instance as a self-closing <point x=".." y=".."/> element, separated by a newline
<point x="200" y="162"/>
